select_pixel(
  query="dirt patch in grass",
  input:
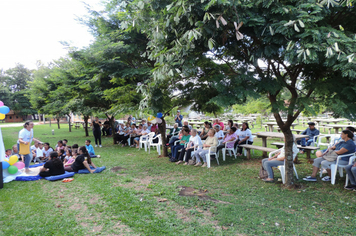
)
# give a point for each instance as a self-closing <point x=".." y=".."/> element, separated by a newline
<point x="117" y="168"/>
<point x="201" y="194"/>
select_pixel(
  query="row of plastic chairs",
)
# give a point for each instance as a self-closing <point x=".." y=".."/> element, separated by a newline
<point x="148" y="141"/>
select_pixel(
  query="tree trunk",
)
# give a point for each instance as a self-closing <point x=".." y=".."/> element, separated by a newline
<point x="288" y="147"/>
<point x="162" y="130"/>
<point x="59" y="127"/>
<point x="86" y="118"/>
<point x="69" y="122"/>
<point x="112" y="124"/>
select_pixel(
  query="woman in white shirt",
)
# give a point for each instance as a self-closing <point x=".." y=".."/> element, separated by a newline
<point x="244" y="137"/>
<point x="219" y="133"/>
<point x="26" y="138"/>
<point x="194" y="143"/>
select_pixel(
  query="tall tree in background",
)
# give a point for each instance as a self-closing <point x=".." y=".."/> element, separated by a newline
<point x="304" y="46"/>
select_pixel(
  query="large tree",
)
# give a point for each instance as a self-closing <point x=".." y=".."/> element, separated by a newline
<point x="306" y="47"/>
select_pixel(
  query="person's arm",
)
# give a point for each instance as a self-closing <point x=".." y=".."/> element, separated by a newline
<point x="85" y="163"/>
<point x="341" y="151"/>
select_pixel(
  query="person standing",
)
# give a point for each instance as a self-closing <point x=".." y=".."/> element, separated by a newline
<point x="97" y="131"/>
<point x="178" y="119"/>
<point x="26" y="138"/>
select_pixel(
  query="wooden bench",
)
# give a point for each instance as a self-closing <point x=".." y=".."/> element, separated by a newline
<point x="297" y="130"/>
<point x="77" y="126"/>
<point x="248" y="147"/>
<point x="307" y="149"/>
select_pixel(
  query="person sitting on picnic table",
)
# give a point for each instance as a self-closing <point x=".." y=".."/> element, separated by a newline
<point x="82" y="162"/>
<point x="211" y="141"/>
<point x="229" y="137"/>
<point x="185" y="139"/>
<point x="194" y="142"/>
<point x="276" y="160"/>
<point x="52" y="167"/>
<point x="311" y="132"/>
<point x="347" y="146"/>
<point x="220" y="123"/>
<point x="230" y="123"/>
<point x="219" y="133"/>
<point x="244" y="137"/>
<point x="173" y="132"/>
<point x="204" y="133"/>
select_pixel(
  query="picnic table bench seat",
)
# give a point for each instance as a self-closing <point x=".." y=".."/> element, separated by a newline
<point x="248" y="147"/>
<point x="307" y="149"/>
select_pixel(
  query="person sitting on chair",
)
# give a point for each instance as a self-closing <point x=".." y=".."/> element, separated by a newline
<point x="342" y="148"/>
<point x="204" y="133"/>
<point x="229" y="137"/>
<point x="219" y="133"/>
<point x="173" y="132"/>
<point x="276" y="160"/>
<point x="244" y="137"/>
<point x="311" y="132"/>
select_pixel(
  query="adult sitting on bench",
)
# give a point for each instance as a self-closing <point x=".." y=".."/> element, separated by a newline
<point x="311" y="132"/>
<point x="244" y="137"/>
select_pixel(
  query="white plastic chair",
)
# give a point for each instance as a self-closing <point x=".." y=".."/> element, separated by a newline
<point x="334" y="167"/>
<point x="229" y="149"/>
<point x="207" y="156"/>
<point x="282" y="169"/>
<point x="144" y="140"/>
<point x="351" y="161"/>
<point x="321" y="136"/>
<point x="157" y="145"/>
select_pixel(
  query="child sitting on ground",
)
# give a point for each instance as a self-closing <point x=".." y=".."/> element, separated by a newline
<point x="61" y="154"/>
<point x="52" y="167"/>
<point x="90" y="149"/>
<point x="71" y="159"/>
<point x="7" y="154"/>
<point x="39" y="153"/>
<point x="68" y="155"/>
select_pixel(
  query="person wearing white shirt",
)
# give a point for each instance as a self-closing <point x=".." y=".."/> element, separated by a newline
<point x="144" y="131"/>
<point x="219" y="133"/>
<point x="39" y="153"/>
<point x="244" y="137"/>
<point x="26" y="138"/>
<point x="195" y="143"/>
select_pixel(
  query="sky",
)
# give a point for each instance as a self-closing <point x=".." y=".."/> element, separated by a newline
<point x="31" y="30"/>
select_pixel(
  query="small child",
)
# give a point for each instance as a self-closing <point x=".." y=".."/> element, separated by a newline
<point x="15" y="151"/>
<point x="65" y="142"/>
<point x="8" y="154"/>
<point x="39" y="153"/>
<point x="61" y="154"/>
<point x="90" y="149"/>
<point x="71" y="160"/>
<point x="68" y="155"/>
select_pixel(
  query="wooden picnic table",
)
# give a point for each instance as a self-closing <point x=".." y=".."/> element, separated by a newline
<point x="337" y="127"/>
<point x="271" y="124"/>
<point x="265" y="135"/>
<point x="196" y="123"/>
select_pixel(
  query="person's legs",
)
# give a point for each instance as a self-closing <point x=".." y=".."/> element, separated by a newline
<point x="171" y="142"/>
<point x="175" y="153"/>
<point x="197" y="155"/>
<point x="267" y="165"/>
<point x="68" y="168"/>
<point x="316" y="166"/>
<point x="203" y="155"/>
<point x="181" y="155"/>
<point x="236" y="143"/>
<point x="99" y="137"/>
<point x="239" y="150"/>
<point x="351" y="171"/>
<point x="44" y="174"/>
<point x="95" y="138"/>
<point x="27" y="160"/>
<point x="188" y="154"/>
<point x="218" y="148"/>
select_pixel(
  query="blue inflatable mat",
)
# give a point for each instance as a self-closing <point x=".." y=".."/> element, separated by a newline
<point x="97" y="170"/>
<point x="57" y="177"/>
<point x="28" y="178"/>
<point x="36" y="165"/>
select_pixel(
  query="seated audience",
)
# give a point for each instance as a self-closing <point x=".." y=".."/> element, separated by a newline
<point x="47" y="150"/>
<point x="136" y="134"/>
<point x="59" y="145"/>
<point x="230" y="124"/>
<point x="276" y="160"/>
<point x="71" y="160"/>
<point x="173" y="132"/>
<point x="90" y="149"/>
<point x="83" y="161"/>
<point x="52" y="167"/>
<point x="180" y="145"/>
<point x="347" y="146"/>
<point x="61" y="154"/>
<point x="211" y="141"/>
<point x="351" y="171"/>
<point x="39" y="153"/>
<point x="65" y="142"/>
<point x="204" y="133"/>
<point x="244" y="137"/>
<point x="144" y="131"/>
<point x="218" y="122"/>
<point x="194" y="143"/>
<point x="219" y="133"/>
<point x="229" y="137"/>
<point x="311" y="132"/>
<point x="68" y="155"/>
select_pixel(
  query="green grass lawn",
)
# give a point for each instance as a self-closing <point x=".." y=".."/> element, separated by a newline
<point x="142" y="198"/>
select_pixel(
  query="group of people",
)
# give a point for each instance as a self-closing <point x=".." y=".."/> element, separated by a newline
<point x="57" y="160"/>
<point x="185" y="141"/>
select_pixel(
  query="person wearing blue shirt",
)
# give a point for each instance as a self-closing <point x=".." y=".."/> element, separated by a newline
<point x="90" y="149"/>
<point x="311" y="132"/>
<point x="178" y="119"/>
<point x="347" y="146"/>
